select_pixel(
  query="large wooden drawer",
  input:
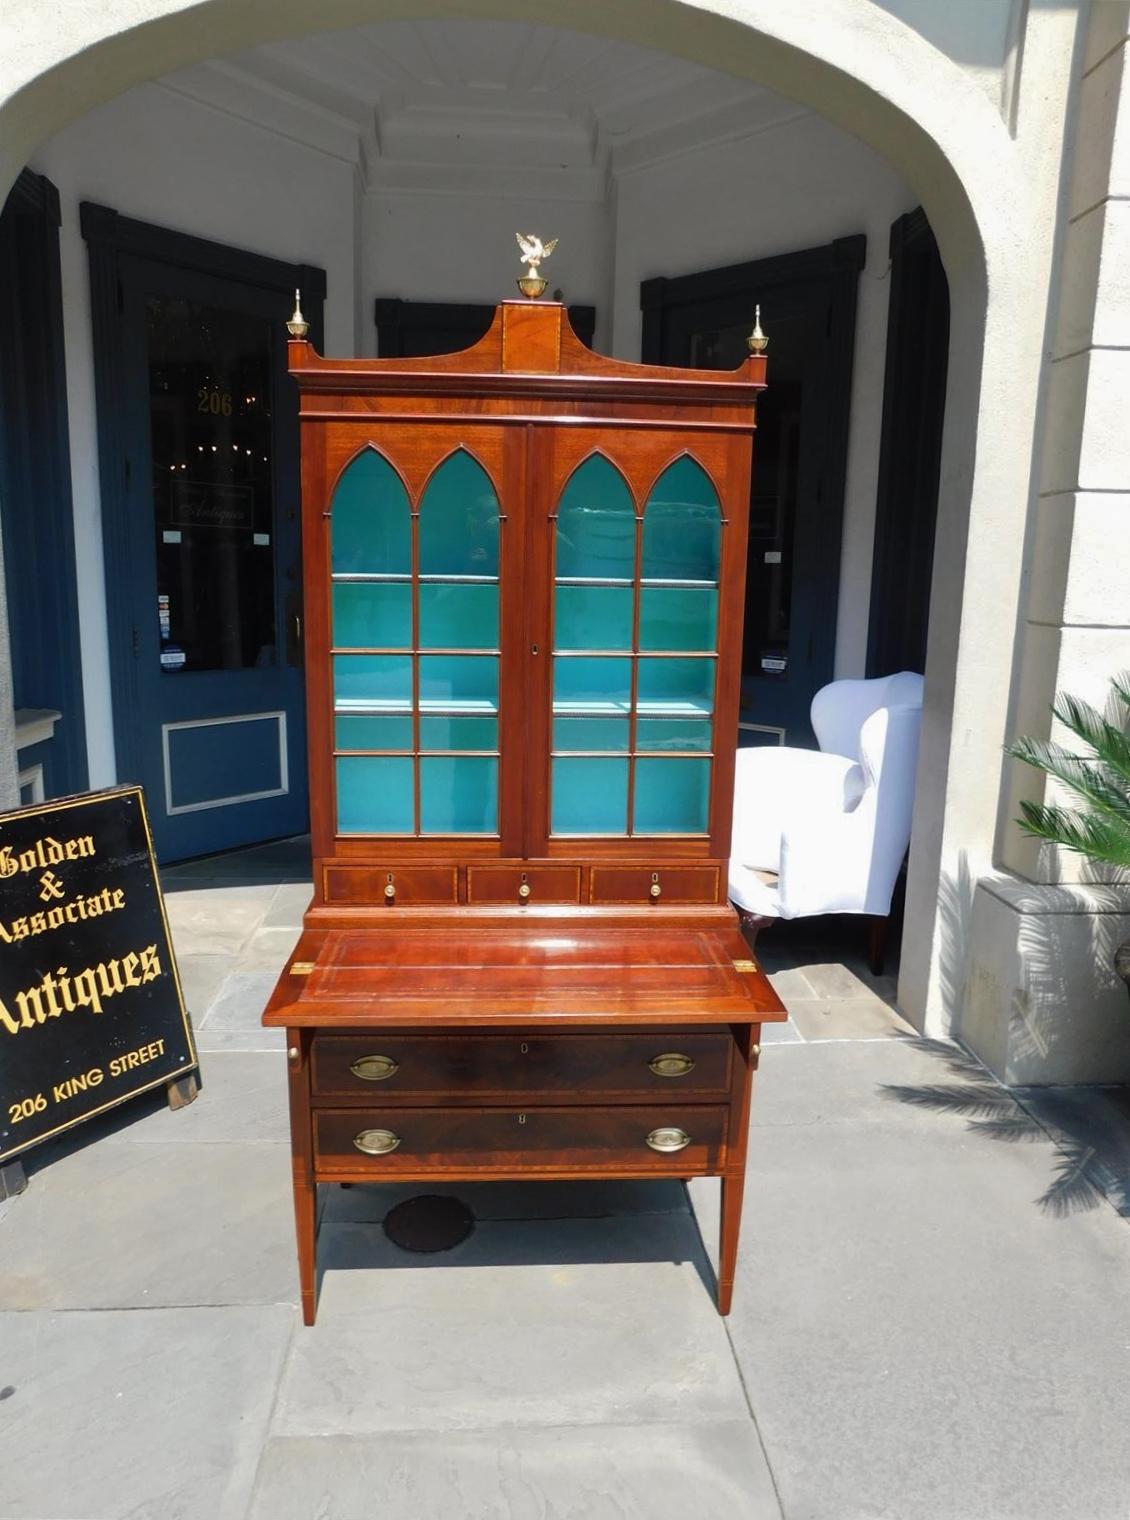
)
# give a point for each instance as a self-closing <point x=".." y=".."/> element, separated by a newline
<point x="523" y="1066"/>
<point x="410" y="885"/>
<point x="521" y="1141"/>
<point x="505" y="884"/>
<point x="637" y="884"/>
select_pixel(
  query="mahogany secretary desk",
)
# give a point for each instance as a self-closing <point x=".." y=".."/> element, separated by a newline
<point x="524" y="568"/>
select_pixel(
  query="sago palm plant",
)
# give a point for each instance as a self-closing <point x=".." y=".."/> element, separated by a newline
<point x="1098" y="825"/>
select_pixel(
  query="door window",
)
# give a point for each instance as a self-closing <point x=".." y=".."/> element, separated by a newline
<point x="213" y="485"/>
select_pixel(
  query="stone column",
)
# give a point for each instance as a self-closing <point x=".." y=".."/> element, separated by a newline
<point x="1042" y="1002"/>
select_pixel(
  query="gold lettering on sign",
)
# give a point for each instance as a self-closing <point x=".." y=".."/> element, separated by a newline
<point x="63" y="991"/>
<point x="109" y="900"/>
<point x="43" y="853"/>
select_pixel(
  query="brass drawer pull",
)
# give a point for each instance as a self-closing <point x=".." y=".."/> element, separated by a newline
<point x="374" y="1068"/>
<point x="376" y="1142"/>
<point x="671" y="1064"/>
<point x="655" y="889"/>
<point x="668" y="1139"/>
<point x="524" y="891"/>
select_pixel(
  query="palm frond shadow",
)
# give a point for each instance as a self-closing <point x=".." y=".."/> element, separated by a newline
<point x="1082" y="1134"/>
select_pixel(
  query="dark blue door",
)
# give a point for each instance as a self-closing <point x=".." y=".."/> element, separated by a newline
<point x="807" y="302"/>
<point x="211" y="608"/>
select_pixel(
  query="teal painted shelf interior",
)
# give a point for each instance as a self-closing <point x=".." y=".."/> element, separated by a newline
<point x="416" y="651"/>
<point x="416" y="656"/>
<point x="635" y="620"/>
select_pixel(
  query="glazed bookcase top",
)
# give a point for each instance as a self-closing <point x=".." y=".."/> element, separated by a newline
<point x="524" y="570"/>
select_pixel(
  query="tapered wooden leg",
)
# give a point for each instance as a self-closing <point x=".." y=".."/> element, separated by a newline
<point x="732" y="1190"/>
<point x="306" y="1232"/>
<point x="302" y="1161"/>
<point x="877" y="944"/>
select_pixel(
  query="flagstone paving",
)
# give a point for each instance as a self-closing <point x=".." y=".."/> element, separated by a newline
<point x="929" y="1321"/>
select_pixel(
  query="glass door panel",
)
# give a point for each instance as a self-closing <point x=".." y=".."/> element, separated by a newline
<point x="416" y="734"/>
<point x="632" y="725"/>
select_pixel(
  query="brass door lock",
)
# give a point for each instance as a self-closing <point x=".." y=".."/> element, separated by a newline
<point x="390" y="889"/>
<point x="524" y="889"/>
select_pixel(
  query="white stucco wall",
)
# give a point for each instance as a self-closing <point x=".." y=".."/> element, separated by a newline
<point x="159" y="157"/>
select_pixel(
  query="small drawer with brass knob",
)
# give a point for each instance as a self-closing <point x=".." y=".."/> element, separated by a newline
<point x="523" y="884"/>
<point x="390" y="886"/>
<point x="658" y="885"/>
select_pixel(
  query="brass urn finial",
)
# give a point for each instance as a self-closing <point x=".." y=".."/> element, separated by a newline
<point x="298" y="326"/>
<point x="533" y="252"/>
<point x="757" y="342"/>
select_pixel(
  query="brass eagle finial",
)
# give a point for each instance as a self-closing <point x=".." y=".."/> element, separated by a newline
<point x="534" y="251"/>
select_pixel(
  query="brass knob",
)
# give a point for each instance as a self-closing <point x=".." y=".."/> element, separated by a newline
<point x="524" y="891"/>
<point x="668" y="1139"/>
<point x="655" y="889"/>
<point x="755" y="1050"/>
<point x="292" y="1054"/>
<point x="671" y="1064"/>
<point x="390" y="891"/>
<point x="376" y="1142"/>
<point x="374" y="1068"/>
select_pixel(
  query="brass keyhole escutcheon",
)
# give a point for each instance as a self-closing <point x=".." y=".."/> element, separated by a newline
<point x="376" y="1142"/>
<point x="524" y="1048"/>
<point x="655" y="887"/>
<point x="374" y="1068"/>
<point x="521" y="1118"/>
<point x="390" y="889"/>
<point x="671" y="1063"/>
<point x="524" y="889"/>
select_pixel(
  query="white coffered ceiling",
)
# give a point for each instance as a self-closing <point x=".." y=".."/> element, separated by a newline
<point x="466" y="99"/>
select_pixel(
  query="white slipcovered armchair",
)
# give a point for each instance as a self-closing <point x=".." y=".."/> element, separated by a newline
<point x="825" y="831"/>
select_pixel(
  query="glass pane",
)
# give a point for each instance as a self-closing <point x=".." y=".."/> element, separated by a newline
<point x="676" y="687"/>
<point x="372" y="615"/>
<point x="591" y="733"/>
<point x="672" y="796"/>
<point x="588" y="683"/>
<point x="678" y="617"/>
<point x="590" y="796"/>
<point x="673" y="733"/>
<point x="458" y="795"/>
<point x="682" y="526"/>
<point x="370" y="524"/>
<point x="458" y="617"/>
<point x="592" y="617"/>
<point x="596" y="524"/>
<point x="458" y="733"/>
<point x="459" y="520"/>
<point x="372" y="681"/>
<point x="353" y="731"/>
<point x="463" y="681"/>
<point x="374" y="795"/>
<point x="209" y="371"/>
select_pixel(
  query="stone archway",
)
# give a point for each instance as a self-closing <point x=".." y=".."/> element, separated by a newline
<point x="990" y="196"/>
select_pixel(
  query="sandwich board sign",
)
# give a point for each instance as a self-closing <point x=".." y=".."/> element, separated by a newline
<point x="91" y="1008"/>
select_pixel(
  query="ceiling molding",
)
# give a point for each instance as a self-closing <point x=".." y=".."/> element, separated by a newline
<point x="438" y="107"/>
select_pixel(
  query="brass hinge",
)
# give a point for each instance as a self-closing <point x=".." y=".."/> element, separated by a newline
<point x="745" y="965"/>
<point x="301" y="968"/>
